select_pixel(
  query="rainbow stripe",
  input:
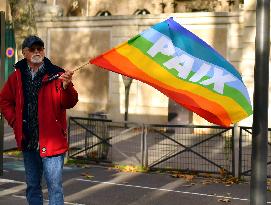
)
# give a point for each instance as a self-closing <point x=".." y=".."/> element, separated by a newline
<point x="182" y="66"/>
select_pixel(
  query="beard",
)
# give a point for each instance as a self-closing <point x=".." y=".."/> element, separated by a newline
<point x="36" y="59"/>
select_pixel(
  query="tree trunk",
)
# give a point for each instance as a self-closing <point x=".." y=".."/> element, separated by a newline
<point x="23" y="18"/>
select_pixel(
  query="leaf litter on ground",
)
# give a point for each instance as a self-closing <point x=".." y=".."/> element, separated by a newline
<point x="87" y="175"/>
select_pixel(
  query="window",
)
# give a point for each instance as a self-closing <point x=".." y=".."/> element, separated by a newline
<point x="103" y="13"/>
<point x="141" y="12"/>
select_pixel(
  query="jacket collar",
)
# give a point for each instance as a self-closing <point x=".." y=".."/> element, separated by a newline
<point x="51" y="69"/>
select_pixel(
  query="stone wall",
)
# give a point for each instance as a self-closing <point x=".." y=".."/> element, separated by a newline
<point x="72" y="41"/>
<point x="3" y="6"/>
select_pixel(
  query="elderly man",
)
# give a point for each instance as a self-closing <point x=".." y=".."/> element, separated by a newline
<point x="34" y="102"/>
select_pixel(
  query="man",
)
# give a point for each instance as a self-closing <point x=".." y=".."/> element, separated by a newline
<point x="34" y="102"/>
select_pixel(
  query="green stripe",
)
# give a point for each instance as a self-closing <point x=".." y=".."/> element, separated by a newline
<point x="144" y="45"/>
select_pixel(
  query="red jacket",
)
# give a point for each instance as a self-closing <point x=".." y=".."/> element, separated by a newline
<point x="53" y="101"/>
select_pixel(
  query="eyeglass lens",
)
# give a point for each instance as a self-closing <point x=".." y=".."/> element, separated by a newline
<point x="32" y="49"/>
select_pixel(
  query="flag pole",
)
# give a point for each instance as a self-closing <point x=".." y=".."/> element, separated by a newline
<point x="258" y="192"/>
<point x="81" y="66"/>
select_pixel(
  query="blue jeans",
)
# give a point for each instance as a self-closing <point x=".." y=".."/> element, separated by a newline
<point x="51" y="168"/>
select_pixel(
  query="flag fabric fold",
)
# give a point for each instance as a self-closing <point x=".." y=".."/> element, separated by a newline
<point x="185" y="68"/>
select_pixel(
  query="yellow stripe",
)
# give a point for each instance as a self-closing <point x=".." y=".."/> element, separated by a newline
<point x="235" y="111"/>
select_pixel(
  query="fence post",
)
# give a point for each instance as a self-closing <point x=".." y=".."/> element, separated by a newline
<point x="240" y="154"/>
<point x="142" y="145"/>
<point x="67" y="156"/>
<point x="145" y="147"/>
<point x="236" y="134"/>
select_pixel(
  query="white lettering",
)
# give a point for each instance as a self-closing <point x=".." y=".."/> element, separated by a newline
<point x="201" y="72"/>
<point x="218" y="80"/>
<point x="183" y="64"/>
<point x="163" y="45"/>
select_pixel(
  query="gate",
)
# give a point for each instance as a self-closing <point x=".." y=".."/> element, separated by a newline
<point x="191" y="148"/>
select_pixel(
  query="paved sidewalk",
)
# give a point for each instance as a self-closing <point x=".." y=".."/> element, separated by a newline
<point x="97" y="185"/>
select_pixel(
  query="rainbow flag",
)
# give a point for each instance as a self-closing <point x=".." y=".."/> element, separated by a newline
<point x="183" y="67"/>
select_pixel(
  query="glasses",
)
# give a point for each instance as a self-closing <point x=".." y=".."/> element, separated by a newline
<point x="33" y="49"/>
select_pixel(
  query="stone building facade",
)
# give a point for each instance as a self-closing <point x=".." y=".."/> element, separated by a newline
<point x="128" y="7"/>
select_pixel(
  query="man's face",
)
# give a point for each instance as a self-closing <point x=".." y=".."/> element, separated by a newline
<point x="35" y="54"/>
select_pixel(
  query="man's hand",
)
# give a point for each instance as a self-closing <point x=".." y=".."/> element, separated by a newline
<point x="66" y="78"/>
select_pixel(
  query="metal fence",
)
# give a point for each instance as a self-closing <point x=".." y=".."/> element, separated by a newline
<point x="171" y="147"/>
<point x="190" y="148"/>
<point x="245" y="151"/>
<point x="88" y="138"/>
<point x="102" y="140"/>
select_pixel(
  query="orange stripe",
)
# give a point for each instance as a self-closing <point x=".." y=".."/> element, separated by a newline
<point x="122" y="65"/>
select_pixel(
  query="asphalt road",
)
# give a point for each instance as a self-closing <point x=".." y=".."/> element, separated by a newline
<point x="98" y="185"/>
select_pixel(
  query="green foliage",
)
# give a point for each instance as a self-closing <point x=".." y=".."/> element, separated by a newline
<point x="23" y="19"/>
